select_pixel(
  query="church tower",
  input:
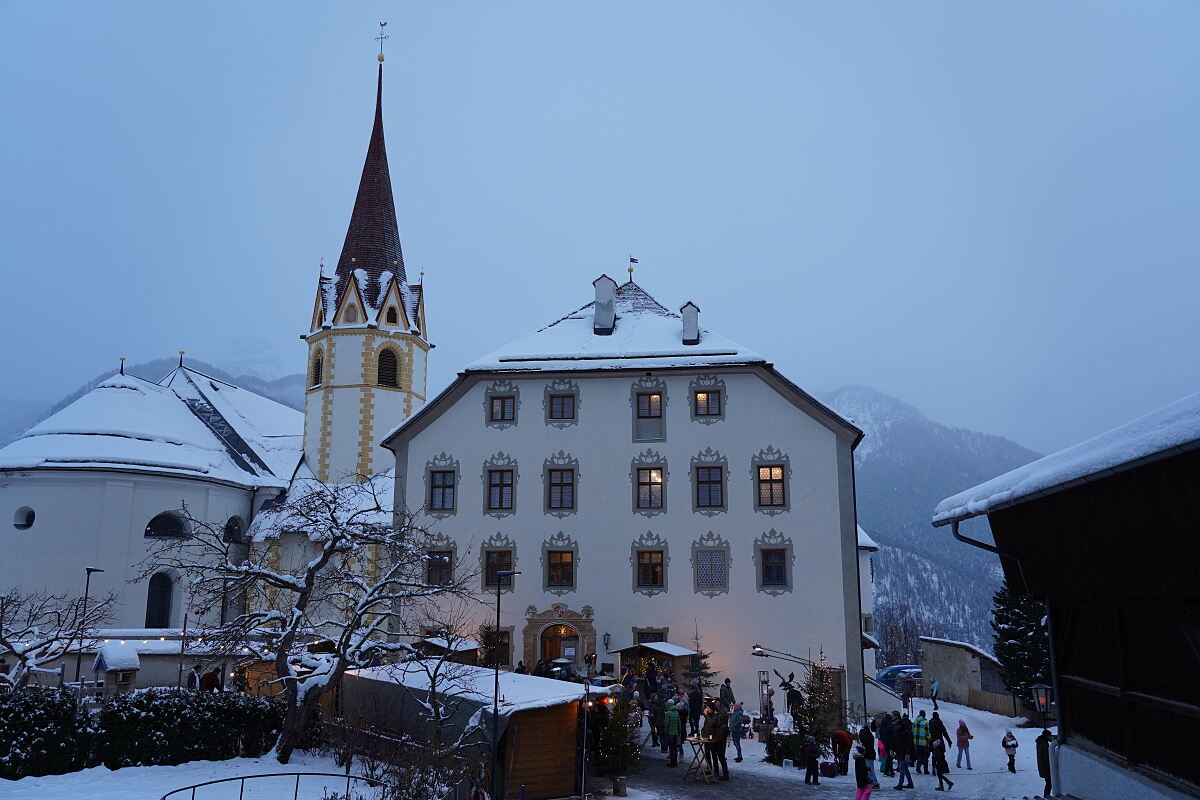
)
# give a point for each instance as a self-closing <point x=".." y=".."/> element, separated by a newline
<point x="367" y="343"/>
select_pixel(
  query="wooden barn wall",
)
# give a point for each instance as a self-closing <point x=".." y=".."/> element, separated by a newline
<point x="539" y="752"/>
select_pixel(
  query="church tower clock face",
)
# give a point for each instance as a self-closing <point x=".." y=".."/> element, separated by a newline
<point x="367" y="343"/>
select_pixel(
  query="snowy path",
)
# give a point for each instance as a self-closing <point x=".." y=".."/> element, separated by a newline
<point x="990" y="780"/>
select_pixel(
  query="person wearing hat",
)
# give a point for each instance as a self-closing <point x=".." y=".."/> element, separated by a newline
<point x="671" y="732"/>
<point x="812" y="752"/>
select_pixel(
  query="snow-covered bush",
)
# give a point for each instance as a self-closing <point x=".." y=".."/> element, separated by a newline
<point x="169" y="726"/>
<point x="42" y="733"/>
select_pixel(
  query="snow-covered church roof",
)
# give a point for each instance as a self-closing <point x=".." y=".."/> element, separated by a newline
<point x="188" y="424"/>
<point x="1171" y="429"/>
<point x="645" y="335"/>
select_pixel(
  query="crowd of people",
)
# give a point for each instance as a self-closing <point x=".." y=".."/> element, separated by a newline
<point x="199" y="681"/>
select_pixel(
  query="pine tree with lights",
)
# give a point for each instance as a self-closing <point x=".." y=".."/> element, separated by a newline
<point x="620" y="748"/>
<point x="1022" y="642"/>
<point x="820" y="712"/>
<point x="698" y="668"/>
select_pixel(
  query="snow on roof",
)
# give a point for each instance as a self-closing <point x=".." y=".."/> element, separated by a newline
<point x="114" y="656"/>
<point x="127" y="422"/>
<point x="865" y="542"/>
<point x="344" y="499"/>
<point x="663" y="647"/>
<point x="1170" y="429"/>
<point x="963" y="645"/>
<point x="646" y="336"/>
<point x="475" y="684"/>
<point x="458" y="645"/>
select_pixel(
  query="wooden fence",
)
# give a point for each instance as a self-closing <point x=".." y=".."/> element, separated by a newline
<point x="1003" y="704"/>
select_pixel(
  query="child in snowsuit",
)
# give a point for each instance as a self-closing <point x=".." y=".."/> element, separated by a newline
<point x="862" y="777"/>
<point x="1010" y="745"/>
<point x="811" y="753"/>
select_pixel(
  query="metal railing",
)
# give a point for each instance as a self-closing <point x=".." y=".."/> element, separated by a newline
<point x="355" y="780"/>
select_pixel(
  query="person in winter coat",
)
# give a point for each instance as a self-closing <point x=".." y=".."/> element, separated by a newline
<point x="695" y="707"/>
<point x="727" y="695"/>
<point x="887" y="734"/>
<point x="671" y="732"/>
<point x="736" y="721"/>
<point x="842" y="742"/>
<point x="921" y="742"/>
<point x="716" y="728"/>
<point x="903" y="752"/>
<point x="933" y="692"/>
<point x="963" y="739"/>
<point x="654" y="717"/>
<point x="241" y="684"/>
<point x="863" y="778"/>
<point x="1010" y="745"/>
<point x="811" y="753"/>
<point x="940" y="767"/>
<point x="868" y="743"/>
<point x="681" y="711"/>
<point x="193" y="679"/>
<point x="211" y="682"/>
<point x="1042" y="743"/>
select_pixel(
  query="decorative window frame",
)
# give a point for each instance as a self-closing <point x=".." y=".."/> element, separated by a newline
<point x="711" y="542"/>
<point x="771" y="456"/>
<point x="556" y="387"/>
<point x="666" y="633"/>
<point x="774" y="540"/>
<point x="560" y="460"/>
<point x="642" y="386"/>
<point x="648" y="459"/>
<point x="497" y="541"/>
<point x="440" y="541"/>
<point x="501" y="388"/>
<point x="704" y="383"/>
<point x="560" y="541"/>
<point x="500" y="460"/>
<point x="710" y="458"/>
<point x="649" y="541"/>
<point x="444" y="462"/>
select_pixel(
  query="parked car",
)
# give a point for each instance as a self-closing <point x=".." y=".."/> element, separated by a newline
<point x="887" y="675"/>
<point x="911" y="678"/>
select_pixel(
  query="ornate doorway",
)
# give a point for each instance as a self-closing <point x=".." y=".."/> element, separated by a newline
<point x="561" y="641"/>
<point x="553" y="633"/>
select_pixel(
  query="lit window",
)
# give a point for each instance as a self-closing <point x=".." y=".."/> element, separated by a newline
<point x="649" y="405"/>
<point x="708" y="403"/>
<point x="770" y="485"/>
<point x="650" y="487"/>
<point x="650" y="568"/>
<point x="560" y="568"/>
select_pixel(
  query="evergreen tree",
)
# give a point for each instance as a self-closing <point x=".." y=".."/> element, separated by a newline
<point x="620" y="748"/>
<point x="698" y="667"/>
<point x="1022" y="641"/>
<point x="819" y="714"/>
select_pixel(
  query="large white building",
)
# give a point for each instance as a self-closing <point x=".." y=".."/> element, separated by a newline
<point x="646" y="476"/>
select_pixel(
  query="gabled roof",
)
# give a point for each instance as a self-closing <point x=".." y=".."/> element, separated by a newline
<point x="970" y="648"/>
<point x="865" y="542"/>
<point x="646" y="336"/>
<point x="1171" y="429"/>
<point x="188" y="424"/>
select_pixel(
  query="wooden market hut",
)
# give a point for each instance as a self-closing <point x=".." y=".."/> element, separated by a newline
<point x="636" y="655"/>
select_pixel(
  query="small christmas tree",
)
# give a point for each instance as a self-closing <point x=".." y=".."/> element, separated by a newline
<point x="819" y="714"/>
<point x="698" y="668"/>
<point x="620" y="749"/>
<point x="1022" y="643"/>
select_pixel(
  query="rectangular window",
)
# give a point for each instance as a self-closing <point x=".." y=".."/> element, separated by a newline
<point x="709" y="487"/>
<point x="504" y="408"/>
<point x="650" y="568"/>
<point x="562" y="406"/>
<point x="441" y="490"/>
<point x="708" y="403"/>
<point x="645" y="636"/>
<point x="774" y="567"/>
<point x="712" y="571"/>
<point x="561" y="488"/>
<point x="439" y="567"/>
<point x="495" y="561"/>
<point x="497" y="647"/>
<point x="500" y="489"/>
<point x="560" y="568"/>
<point x="650" y="487"/>
<point x="770" y="485"/>
<point x="649" y="405"/>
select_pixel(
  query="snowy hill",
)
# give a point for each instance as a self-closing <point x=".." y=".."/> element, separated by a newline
<point x="906" y="464"/>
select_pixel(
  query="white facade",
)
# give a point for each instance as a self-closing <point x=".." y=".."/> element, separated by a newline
<point x="764" y="421"/>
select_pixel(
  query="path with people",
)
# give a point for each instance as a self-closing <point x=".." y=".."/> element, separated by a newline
<point x="989" y="780"/>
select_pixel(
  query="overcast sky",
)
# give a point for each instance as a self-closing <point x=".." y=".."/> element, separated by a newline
<point x="989" y="211"/>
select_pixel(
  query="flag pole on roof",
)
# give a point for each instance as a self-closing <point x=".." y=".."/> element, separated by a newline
<point x="632" y="261"/>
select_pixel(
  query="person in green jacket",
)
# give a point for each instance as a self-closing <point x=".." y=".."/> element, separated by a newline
<point x="671" y="733"/>
<point x="920" y="734"/>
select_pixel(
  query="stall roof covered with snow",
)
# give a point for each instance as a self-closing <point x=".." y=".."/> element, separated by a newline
<point x="187" y="424"/>
<point x="117" y="656"/>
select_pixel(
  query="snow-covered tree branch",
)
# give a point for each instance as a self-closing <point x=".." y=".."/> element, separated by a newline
<point x="39" y="629"/>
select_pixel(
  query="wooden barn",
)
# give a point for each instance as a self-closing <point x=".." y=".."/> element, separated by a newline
<point x="538" y="723"/>
<point x="1107" y="533"/>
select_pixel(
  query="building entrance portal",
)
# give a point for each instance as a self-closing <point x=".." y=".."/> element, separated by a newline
<point x="558" y="632"/>
<point x="561" y="641"/>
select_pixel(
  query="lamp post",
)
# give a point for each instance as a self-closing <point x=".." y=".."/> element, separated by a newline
<point x="767" y="652"/>
<point x="87" y="587"/>
<point x="1042" y="694"/>
<point x="501" y="574"/>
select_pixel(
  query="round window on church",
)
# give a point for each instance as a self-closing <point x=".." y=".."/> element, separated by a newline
<point x="23" y="519"/>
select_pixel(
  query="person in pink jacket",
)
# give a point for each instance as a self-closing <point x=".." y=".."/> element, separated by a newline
<point x="963" y="739"/>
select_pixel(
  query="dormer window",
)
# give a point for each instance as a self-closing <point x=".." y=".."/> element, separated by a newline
<point x="351" y="315"/>
<point x="392" y="317"/>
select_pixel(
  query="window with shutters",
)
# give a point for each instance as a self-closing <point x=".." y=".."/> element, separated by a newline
<point x="387" y="368"/>
<point x="318" y="371"/>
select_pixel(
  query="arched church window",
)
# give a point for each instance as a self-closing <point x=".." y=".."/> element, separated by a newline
<point x="352" y="314"/>
<point x="158" y="600"/>
<point x="235" y="530"/>
<point x="387" y="368"/>
<point x="318" y="368"/>
<point x="165" y="525"/>
<point x="392" y="316"/>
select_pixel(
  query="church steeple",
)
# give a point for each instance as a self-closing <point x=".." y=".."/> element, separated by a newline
<point x="372" y="238"/>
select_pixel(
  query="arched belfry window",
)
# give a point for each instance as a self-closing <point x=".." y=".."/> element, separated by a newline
<point x="235" y="530"/>
<point x="158" y="601"/>
<point x="392" y="316"/>
<point x="165" y="525"/>
<point x="387" y="368"/>
<point x="318" y="370"/>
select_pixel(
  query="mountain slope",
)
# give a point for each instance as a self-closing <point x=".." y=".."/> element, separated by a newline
<point x="906" y="464"/>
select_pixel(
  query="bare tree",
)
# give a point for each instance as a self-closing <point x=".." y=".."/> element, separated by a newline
<point x="328" y="577"/>
<point x="899" y="634"/>
<point x="38" y="629"/>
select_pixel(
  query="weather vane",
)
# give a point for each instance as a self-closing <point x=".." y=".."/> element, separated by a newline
<point x="381" y="37"/>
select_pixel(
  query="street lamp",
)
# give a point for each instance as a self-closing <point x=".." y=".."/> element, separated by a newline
<point x="87" y="587"/>
<point x="500" y="574"/>
<point x="1042" y="695"/>
<point x="767" y="652"/>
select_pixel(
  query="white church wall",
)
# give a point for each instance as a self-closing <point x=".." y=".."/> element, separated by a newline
<point x="820" y="610"/>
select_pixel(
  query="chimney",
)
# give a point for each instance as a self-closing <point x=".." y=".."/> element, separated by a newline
<point x="604" y="314"/>
<point x="691" y="323"/>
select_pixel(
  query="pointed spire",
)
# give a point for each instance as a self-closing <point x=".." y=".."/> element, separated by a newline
<point x="372" y="238"/>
